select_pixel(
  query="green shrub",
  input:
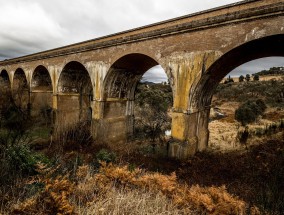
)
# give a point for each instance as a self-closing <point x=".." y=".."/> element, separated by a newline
<point x="256" y="77"/>
<point x="106" y="156"/>
<point x="247" y="77"/>
<point x="14" y="118"/>
<point x="243" y="136"/>
<point x="260" y="105"/>
<point x="19" y="161"/>
<point x="16" y="157"/>
<point x="249" y="111"/>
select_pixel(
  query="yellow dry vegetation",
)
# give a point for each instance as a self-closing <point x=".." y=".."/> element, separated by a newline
<point x="211" y="200"/>
<point x="54" y="199"/>
<point x="118" y="190"/>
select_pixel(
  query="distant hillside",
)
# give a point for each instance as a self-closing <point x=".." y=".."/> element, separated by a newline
<point x="272" y="71"/>
<point x="272" y="91"/>
<point x="147" y="83"/>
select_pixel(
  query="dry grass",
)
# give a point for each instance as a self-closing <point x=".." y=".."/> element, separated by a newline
<point x="223" y="135"/>
<point x="209" y="200"/>
<point x="197" y="188"/>
<point x="125" y="201"/>
<point x="117" y="190"/>
<point x="273" y="114"/>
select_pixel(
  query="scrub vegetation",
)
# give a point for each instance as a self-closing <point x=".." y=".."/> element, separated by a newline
<point x="45" y="171"/>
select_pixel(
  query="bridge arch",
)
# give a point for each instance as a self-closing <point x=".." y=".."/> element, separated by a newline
<point x="118" y="94"/>
<point x="200" y="99"/>
<point x="72" y="62"/>
<point x="124" y="74"/>
<point x="5" y="88"/>
<point x="41" y="79"/>
<point x="8" y="75"/>
<point x="263" y="47"/>
<point x="20" y="89"/>
<point x="41" y="93"/>
<point x="5" y="79"/>
<point x="75" y="94"/>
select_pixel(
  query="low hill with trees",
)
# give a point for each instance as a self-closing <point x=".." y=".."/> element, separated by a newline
<point x="272" y="71"/>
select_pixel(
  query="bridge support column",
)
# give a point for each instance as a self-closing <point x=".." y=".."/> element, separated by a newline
<point x="97" y="120"/>
<point x="202" y="131"/>
<point x="189" y="132"/>
<point x="113" y="120"/>
<point x="185" y="141"/>
<point x="189" y="121"/>
<point x="40" y="101"/>
<point x="54" y="108"/>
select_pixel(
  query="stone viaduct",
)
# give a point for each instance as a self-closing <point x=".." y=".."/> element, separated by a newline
<point x="96" y="79"/>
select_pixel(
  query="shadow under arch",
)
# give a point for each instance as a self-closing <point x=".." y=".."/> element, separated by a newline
<point x="41" y="94"/>
<point x="125" y="73"/>
<point x="5" y="75"/>
<point x="75" y="94"/>
<point x="200" y="98"/>
<point x="41" y="79"/>
<point x="20" y="89"/>
<point x="117" y="118"/>
<point x="5" y="89"/>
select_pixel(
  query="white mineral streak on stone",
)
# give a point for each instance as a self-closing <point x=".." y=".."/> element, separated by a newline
<point x="100" y="70"/>
<point x="256" y="33"/>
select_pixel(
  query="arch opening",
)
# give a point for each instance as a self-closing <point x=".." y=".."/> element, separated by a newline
<point x="5" y="89"/>
<point x="41" y="95"/>
<point x="121" y="86"/>
<point x="20" y="90"/>
<point x="41" y="80"/>
<point x="75" y="94"/>
<point x="125" y="73"/>
<point x="239" y="93"/>
<point x="259" y="48"/>
<point x="152" y="110"/>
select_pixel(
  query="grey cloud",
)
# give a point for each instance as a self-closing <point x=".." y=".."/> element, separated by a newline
<point x="27" y="28"/>
<point x="37" y="25"/>
<point x="156" y="74"/>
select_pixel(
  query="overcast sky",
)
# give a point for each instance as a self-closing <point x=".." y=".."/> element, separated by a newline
<point x="29" y="26"/>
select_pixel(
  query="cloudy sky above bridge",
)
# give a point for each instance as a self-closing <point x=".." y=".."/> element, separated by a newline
<point x="36" y="25"/>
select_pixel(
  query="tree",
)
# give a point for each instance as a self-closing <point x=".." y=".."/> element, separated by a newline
<point x="151" y="106"/>
<point x="260" y="106"/>
<point x="241" y="78"/>
<point x="228" y="80"/>
<point x="247" y="77"/>
<point x="256" y="77"/>
<point x="249" y="111"/>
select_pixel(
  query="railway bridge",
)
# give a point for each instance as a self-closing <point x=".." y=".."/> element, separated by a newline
<point x="95" y="80"/>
